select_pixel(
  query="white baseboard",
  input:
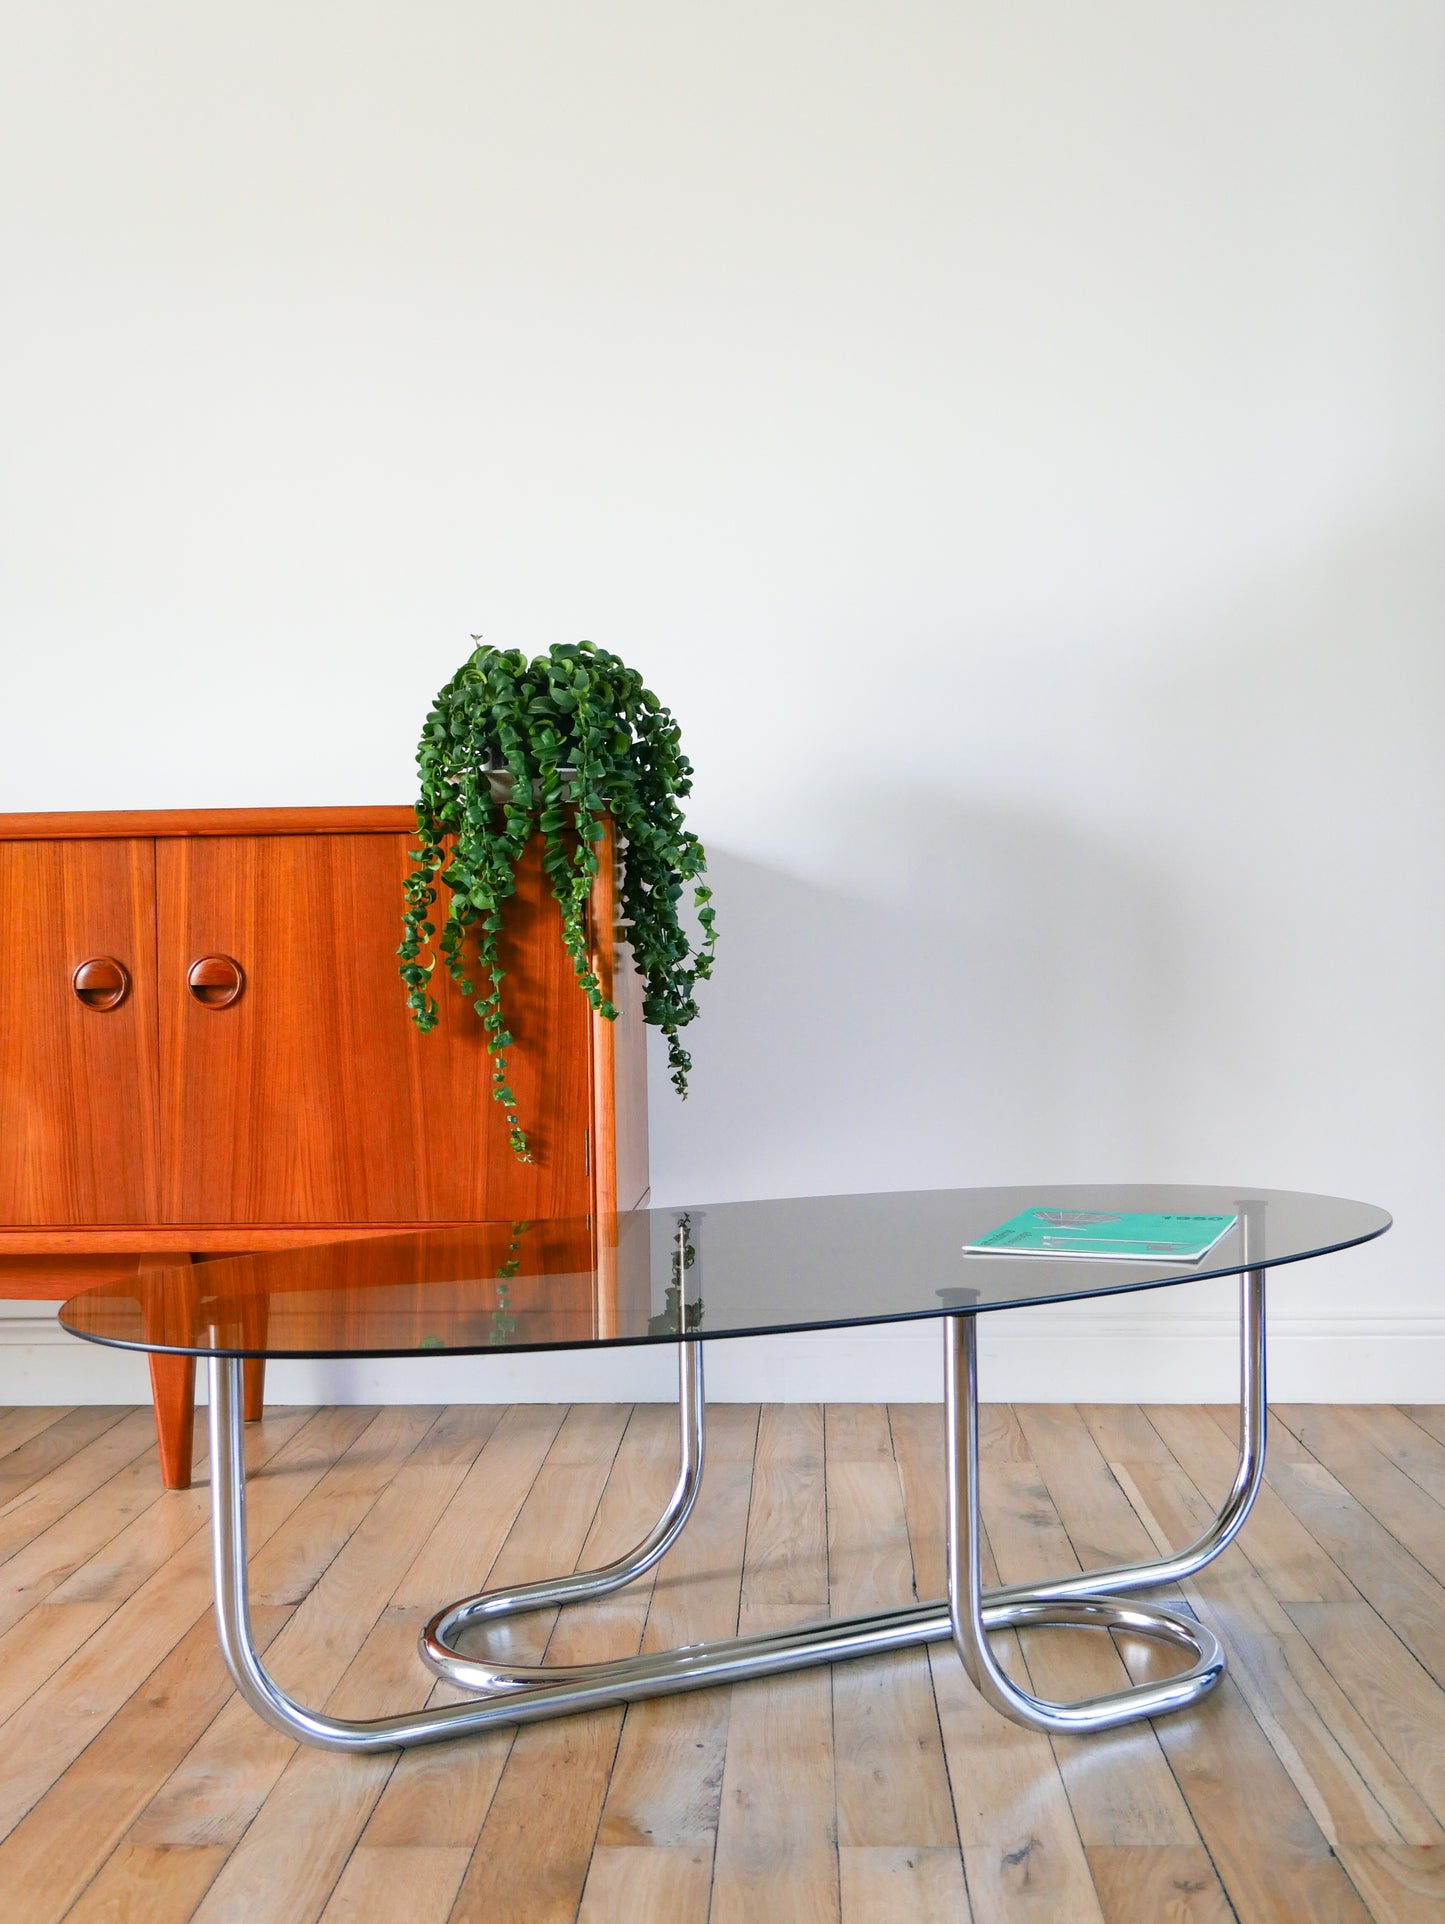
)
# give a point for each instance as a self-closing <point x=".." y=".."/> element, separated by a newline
<point x="1055" y="1356"/>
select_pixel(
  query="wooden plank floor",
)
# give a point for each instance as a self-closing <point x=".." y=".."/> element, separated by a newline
<point x="133" y="1786"/>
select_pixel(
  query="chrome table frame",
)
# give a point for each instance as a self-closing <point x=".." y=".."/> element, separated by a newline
<point x="515" y="1693"/>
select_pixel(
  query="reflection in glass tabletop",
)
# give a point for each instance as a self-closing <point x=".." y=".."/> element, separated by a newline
<point x="680" y="1276"/>
<point x="711" y="1270"/>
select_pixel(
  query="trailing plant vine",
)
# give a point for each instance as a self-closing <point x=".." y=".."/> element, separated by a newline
<point x="513" y="748"/>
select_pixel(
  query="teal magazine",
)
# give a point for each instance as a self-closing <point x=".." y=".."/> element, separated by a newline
<point x="1113" y="1237"/>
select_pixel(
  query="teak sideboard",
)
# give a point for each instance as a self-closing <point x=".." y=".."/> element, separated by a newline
<point x="205" y="1049"/>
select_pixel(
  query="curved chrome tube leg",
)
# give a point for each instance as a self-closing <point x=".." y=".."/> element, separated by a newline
<point x="1248" y="1476"/>
<point x="438" y="1640"/>
<point x="519" y="1694"/>
<point x="623" y="1682"/>
<point x="970" y="1617"/>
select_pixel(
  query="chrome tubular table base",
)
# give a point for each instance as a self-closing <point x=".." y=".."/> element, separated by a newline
<point x="514" y="1693"/>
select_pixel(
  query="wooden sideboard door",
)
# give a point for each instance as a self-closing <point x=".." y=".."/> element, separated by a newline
<point x="309" y="1097"/>
<point x="78" y="1138"/>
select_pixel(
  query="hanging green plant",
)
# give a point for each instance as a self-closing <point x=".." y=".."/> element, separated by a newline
<point x="514" y="748"/>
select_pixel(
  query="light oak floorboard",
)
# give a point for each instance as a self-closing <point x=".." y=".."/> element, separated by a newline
<point x="216" y="1789"/>
<point x="141" y="1885"/>
<point x="666" y="1785"/>
<point x="377" y="1876"/>
<point x="1387" y="1688"/>
<point x="1401" y="1883"/>
<point x="901" y="1884"/>
<point x="1273" y="1858"/>
<point x="441" y="1795"/>
<point x="71" y="1610"/>
<point x="1022" y="1854"/>
<point x="777" y="1857"/>
<point x="1160" y="1883"/>
<point x="1345" y="1447"/>
<point x="671" y="1884"/>
<point x="1283" y="1550"/>
<point x="134" y="1748"/>
<point x="1120" y="1787"/>
<point x="55" y="1726"/>
<point x="1366" y="1550"/>
<point x="343" y="1651"/>
<point x="1409" y="1447"/>
<point x="1340" y="1767"/>
<point x="65" y="1515"/>
<point x="17" y="1426"/>
<point x="29" y="1457"/>
<point x="1430" y="1417"/>
<point x="524" y="1869"/>
<point x="883" y="1707"/>
<point x="134" y="1786"/>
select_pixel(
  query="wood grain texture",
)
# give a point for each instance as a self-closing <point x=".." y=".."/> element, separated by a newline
<point x="72" y="1603"/>
<point x="1388" y="1689"/>
<point x="307" y="1108"/>
<point x="1401" y="1883"/>
<point x="1074" y="1515"/>
<point x="355" y="1089"/>
<point x="78" y="1141"/>
<point x="139" y="1886"/>
<point x="665" y="1790"/>
<point x="136" y="1786"/>
<point x="1022" y="1853"/>
<point x="441" y="1796"/>
<point x="1161" y="1883"/>
<point x="1408" y="1511"/>
<point x="51" y="1279"/>
<point x="521" y="1869"/>
<point x="777" y="1851"/>
<point x="882" y="1707"/>
<point x="1279" y="1546"/>
<point x="1335" y="1759"/>
<point x="321" y="1795"/>
<point x="374" y="1879"/>
<point x="148" y="823"/>
<point x="18" y="1426"/>
<point x="1412" y="1449"/>
<point x="52" y="1526"/>
<point x="313" y="1098"/>
<point x="1366" y="1550"/>
<point x="17" y="1246"/>
<point x="173" y="1378"/>
<point x="89" y="1745"/>
<point x="218" y="1783"/>
<point x="602" y="1055"/>
<point x="674" y="1884"/>
<point x="895" y="1884"/>
<point x="32" y="1449"/>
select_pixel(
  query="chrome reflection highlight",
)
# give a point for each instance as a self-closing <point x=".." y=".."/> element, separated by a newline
<point x="970" y="1617"/>
<point x="516" y="1693"/>
<point x="438" y="1641"/>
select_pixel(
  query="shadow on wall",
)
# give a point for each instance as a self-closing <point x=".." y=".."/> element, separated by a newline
<point x="1207" y="948"/>
<point x="985" y="1006"/>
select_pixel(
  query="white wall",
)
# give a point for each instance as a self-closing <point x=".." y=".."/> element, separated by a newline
<point x="1009" y="436"/>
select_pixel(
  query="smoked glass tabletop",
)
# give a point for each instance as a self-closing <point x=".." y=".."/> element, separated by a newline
<point x="714" y="1270"/>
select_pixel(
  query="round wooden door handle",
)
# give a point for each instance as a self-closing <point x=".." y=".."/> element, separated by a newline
<point x="102" y="982"/>
<point x="215" y="981"/>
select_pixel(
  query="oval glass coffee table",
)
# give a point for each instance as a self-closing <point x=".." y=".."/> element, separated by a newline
<point x="688" y="1277"/>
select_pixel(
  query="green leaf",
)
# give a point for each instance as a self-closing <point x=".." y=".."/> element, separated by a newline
<point x="580" y="708"/>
